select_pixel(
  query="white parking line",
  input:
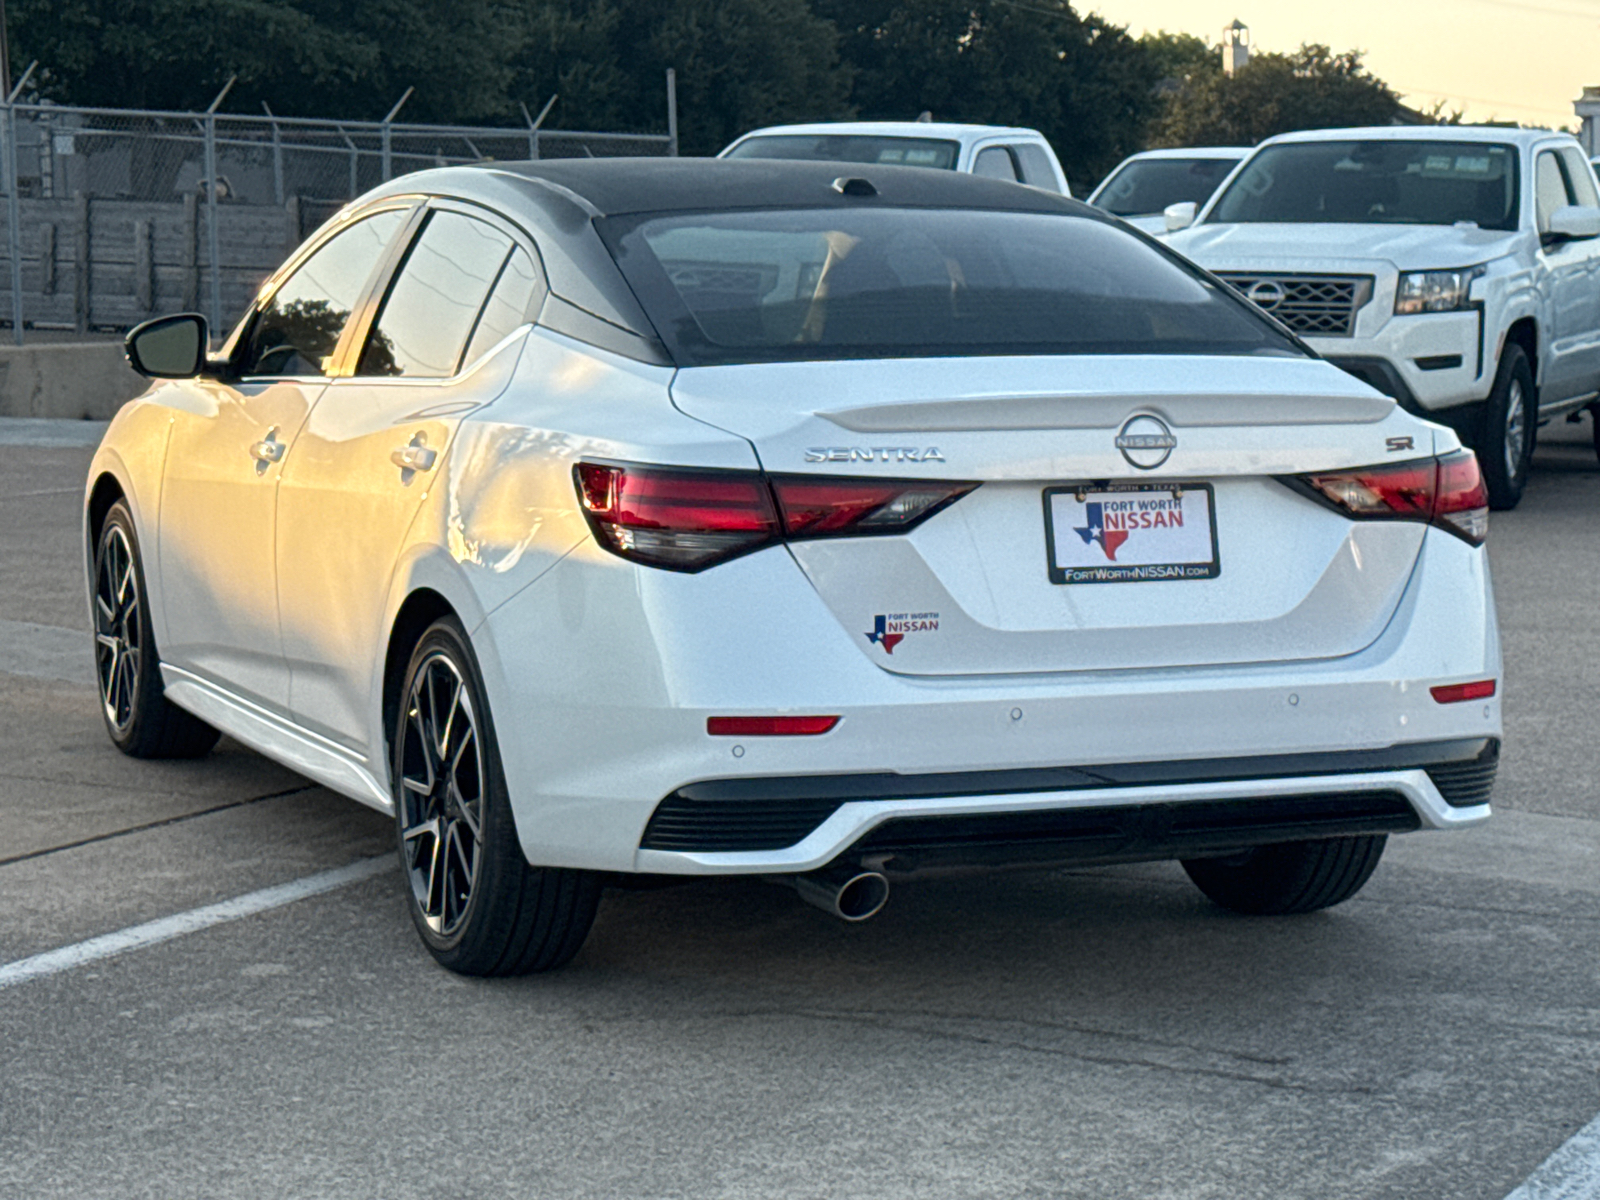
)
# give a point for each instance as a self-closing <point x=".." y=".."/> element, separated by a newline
<point x="1571" y="1173"/>
<point x="151" y="932"/>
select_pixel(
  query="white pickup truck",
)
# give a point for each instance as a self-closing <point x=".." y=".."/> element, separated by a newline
<point x="1455" y="269"/>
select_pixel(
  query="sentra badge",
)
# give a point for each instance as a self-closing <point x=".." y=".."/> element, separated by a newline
<point x="1146" y="442"/>
<point x="854" y="454"/>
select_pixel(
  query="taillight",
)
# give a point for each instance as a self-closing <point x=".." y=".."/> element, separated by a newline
<point x="1447" y="492"/>
<point x="820" y="507"/>
<point x="687" y="520"/>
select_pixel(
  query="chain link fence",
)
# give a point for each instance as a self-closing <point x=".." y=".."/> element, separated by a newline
<point x="115" y="215"/>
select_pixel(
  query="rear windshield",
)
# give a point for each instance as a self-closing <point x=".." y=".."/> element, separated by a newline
<point x="837" y="283"/>
<point x="851" y="147"/>
<point x="1376" y="182"/>
<point x="1148" y="186"/>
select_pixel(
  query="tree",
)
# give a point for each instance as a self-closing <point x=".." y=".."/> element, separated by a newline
<point x="1313" y="88"/>
<point x="1082" y="82"/>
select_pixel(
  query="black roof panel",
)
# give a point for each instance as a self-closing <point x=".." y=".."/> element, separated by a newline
<point x="616" y="186"/>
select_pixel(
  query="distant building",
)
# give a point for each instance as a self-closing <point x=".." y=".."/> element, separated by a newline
<point x="1235" y="47"/>
<point x="1587" y="106"/>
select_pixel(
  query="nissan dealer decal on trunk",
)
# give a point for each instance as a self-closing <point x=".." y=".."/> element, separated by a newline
<point x="890" y="629"/>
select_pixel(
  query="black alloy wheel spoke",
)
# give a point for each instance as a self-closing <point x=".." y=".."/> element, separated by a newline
<point x="439" y="794"/>
<point x="116" y="628"/>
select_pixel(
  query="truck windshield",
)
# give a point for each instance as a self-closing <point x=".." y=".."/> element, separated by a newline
<point x="1147" y="186"/>
<point x="855" y="283"/>
<point x="852" y="147"/>
<point x="1410" y="182"/>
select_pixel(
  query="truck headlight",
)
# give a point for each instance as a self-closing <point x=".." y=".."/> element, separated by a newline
<point x="1435" y="291"/>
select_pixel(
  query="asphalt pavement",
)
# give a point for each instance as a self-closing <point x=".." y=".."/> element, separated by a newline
<point x="1096" y="1033"/>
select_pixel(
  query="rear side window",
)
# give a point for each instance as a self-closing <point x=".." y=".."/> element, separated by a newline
<point x="840" y="283"/>
<point x="510" y="304"/>
<point x="435" y="298"/>
<point x="297" y="331"/>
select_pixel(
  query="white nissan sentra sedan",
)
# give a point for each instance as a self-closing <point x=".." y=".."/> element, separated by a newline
<point x="683" y="518"/>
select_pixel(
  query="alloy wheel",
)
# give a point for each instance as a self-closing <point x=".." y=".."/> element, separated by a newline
<point x="117" y="645"/>
<point x="442" y="783"/>
<point x="1516" y="439"/>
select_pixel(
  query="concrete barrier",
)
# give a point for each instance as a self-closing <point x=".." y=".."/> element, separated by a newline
<point x="76" y="380"/>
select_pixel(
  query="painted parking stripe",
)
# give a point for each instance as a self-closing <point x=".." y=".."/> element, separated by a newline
<point x="1571" y="1173"/>
<point x="166" y="928"/>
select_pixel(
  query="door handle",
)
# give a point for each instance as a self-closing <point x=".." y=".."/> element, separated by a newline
<point x="416" y="456"/>
<point x="268" y="450"/>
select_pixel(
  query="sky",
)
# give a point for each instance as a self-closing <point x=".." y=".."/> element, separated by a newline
<point x="1522" y="60"/>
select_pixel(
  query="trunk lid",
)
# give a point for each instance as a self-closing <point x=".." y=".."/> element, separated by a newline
<point x="970" y="590"/>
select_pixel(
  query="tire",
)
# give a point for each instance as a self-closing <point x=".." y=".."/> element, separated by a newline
<point x="1508" y="430"/>
<point x="477" y="904"/>
<point x="1292" y="877"/>
<point x="133" y="702"/>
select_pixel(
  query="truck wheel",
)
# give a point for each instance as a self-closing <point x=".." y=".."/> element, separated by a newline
<point x="1506" y="435"/>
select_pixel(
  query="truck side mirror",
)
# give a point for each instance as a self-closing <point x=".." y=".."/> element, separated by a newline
<point x="1571" y="223"/>
<point x="1180" y="216"/>
<point x="168" y="347"/>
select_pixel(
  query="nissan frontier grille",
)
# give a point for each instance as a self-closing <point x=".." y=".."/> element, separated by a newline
<point x="1311" y="305"/>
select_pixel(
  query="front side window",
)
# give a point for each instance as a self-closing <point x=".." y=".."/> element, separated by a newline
<point x="815" y="284"/>
<point x="1149" y="186"/>
<point x="1549" y="189"/>
<point x="1036" y="169"/>
<point x="850" y="147"/>
<point x="995" y="162"/>
<point x="1580" y="177"/>
<point x="434" y="301"/>
<point x="298" y="329"/>
<point x="1380" y="182"/>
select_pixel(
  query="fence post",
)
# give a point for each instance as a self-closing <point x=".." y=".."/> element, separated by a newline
<point x="80" y="264"/>
<point x="14" y="202"/>
<point x="213" y="242"/>
<point x="13" y="219"/>
<point x="354" y="186"/>
<point x="672" y="112"/>
<point x="277" y="156"/>
<point x="190" y="263"/>
<point x="536" y="123"/>
<point x="144" y="268"/>
<point x="388" y="123"/>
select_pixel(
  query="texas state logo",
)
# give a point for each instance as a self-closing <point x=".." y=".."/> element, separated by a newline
<point x="1096" y="531"/>
<point x="890" y="629"/>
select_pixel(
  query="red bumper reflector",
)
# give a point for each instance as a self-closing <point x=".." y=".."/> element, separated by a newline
<point x="768" y="726"/>
<point x="1455" y="693"/>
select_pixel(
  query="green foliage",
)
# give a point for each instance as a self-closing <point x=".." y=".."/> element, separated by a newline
<point x="1313" y="88"/>
<point x="1096" y="93"/>
<point x="1085" y="84"/>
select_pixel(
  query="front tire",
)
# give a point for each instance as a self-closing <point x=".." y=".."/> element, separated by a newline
<point x="1506" y="433"/>
<point x="1292" y="877"/>
<point x="141" y="722"/>
<point x="478" y="905"/>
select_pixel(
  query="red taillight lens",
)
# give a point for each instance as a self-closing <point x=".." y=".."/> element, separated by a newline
<point x="769" y="726"/>
<point x="684" y="520"/>
<point x="1455" y="693"/>
<point x="1447" y="492"/>
<point x="813" y="507"/>
<point x="687" y="520"/>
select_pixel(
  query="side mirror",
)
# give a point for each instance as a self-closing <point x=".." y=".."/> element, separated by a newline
<point x="1180" y="216"/>
<point x="168" y="347"/>
<point x="1571" y="223"/>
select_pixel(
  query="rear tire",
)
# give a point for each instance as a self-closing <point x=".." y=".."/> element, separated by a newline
<point x="478" y="905"/>
<point x="1293" y="877"/>
<point x="133" y="702"/>
<point x="1508" y="430"/>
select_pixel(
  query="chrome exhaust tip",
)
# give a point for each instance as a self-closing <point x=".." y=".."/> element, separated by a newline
<point x="849" y="893"/>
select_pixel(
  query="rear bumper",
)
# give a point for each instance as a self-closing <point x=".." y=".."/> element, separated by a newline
<point x="601" y="676"/>
<point x="1118" y="813"/>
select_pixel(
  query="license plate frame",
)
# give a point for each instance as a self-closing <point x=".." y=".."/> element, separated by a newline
<point x="1060" y="517"/>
